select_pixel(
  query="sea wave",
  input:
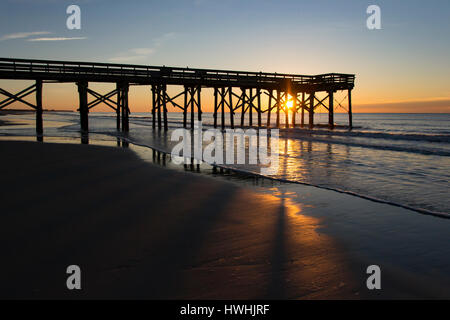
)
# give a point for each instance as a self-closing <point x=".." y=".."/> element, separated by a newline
<point x="440" y="138"/>
<point x="360" y="195"/>
<point x="247" y="171"/>
<point x="436" y="150"/>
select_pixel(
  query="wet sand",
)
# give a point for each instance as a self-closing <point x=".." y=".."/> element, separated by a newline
<point x="142" y="231"/>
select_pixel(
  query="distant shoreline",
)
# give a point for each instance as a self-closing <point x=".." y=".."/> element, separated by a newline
<point x="18" y="111"/>
<point x="22" y="111"/>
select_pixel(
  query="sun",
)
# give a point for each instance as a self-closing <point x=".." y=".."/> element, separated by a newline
<point x="290" y="104"/>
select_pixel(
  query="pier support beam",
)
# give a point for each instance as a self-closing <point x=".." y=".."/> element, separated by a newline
<point x="311" y="110"/>
<point x="39" y="111"/>
<point x="159" y="100"/>
<point x="192" y="100"/>
<point x="185" y="107"/>
<point x="243" y="106"/>
<point x="199" y="106"/>
<point x="269" y="109"/>
<point x="125" y="109"/>
<point x="163" y="94"/>
<point x="153" y="107"/>
<point x="230" y="105"/>
<point x="123" y="89"/>
<point x="294" y="108"/>
<point x="107" y="100"/>
<point x="331" y="109"/>
<point x="84" y="110"/>
<point x="286" y="109"/>
<point x="258" y="97"/>
<point x="220" y="96"/>
<point x="302" y="119"/>
<point x="250" y="108"/>
<point x="158" y="106"/>
<point x="17" y="97"/>
<point x="34" y="88"/>
<point x="350" y="116"/>
<point x="192" y="92"/>
<point x="278" y="108"/>
<point x="223" y="96"/>
<point x="118" y="107"/>
<point x="215" y="106"/>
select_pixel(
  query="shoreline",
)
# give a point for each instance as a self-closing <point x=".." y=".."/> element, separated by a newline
<point x="437" y="214"/>
<point x="304" y="214"/>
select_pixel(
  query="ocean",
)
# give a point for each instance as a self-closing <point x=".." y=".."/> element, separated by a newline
<point x="400" y="159"/>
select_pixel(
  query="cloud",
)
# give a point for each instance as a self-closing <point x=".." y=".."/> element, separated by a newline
<point x="143" y="51"/>
<point x="57" y="39"/>
<point x="22" y="35"/>
<point x="28" y="35"/>
<point x="140" y="54"/>
<point x="133" y="55"/>
<point x="124" y="59"/>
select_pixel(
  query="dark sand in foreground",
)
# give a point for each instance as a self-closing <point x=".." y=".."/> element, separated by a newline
<point x="142" y="231"/>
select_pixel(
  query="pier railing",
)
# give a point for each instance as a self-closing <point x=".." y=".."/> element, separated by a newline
<point x="63" y="70"/>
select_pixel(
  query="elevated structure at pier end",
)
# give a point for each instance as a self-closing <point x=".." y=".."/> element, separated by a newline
<point x="285" y="95"/>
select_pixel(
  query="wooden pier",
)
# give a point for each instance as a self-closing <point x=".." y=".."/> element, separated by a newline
<point x="234" y="91"/>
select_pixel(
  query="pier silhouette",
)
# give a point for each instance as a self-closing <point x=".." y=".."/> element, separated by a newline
<point x="234" y="91"/>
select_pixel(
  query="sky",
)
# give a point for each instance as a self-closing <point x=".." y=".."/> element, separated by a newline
<point x="403" y="67"/>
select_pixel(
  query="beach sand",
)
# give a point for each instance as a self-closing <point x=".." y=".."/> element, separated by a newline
<point x="138" y="230"/>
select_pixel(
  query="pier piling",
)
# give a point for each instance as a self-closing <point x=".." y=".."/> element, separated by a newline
<point x="302" y="119"/>
<point x="278" y="108"/>
<point x="215" y="106"/>
<point x="258" y="95"/>
<point x="118" y="107"/>
<point x="39" y="111"/>
<point x="250" y="106"/>
<point x="294" y="107"/>
<point x="350" y="117"/>
<point x="124" y="107"/>
<point x="153" y="89"/>
<point x="192" y="90"/>
<point x="82" y="92"/>
<point x="230" y="99"/>
<point x="243" y="107"/>
<point x="286" y="109"/>
<point x="222" y="99"/>
<point x="331" y="110"/>
<point x="269" y="109"/>
<point x="198" y="103"/>
<point x="311" y="110"/>
<point x="164" y="104"/>
<point x="185" y="107"/>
